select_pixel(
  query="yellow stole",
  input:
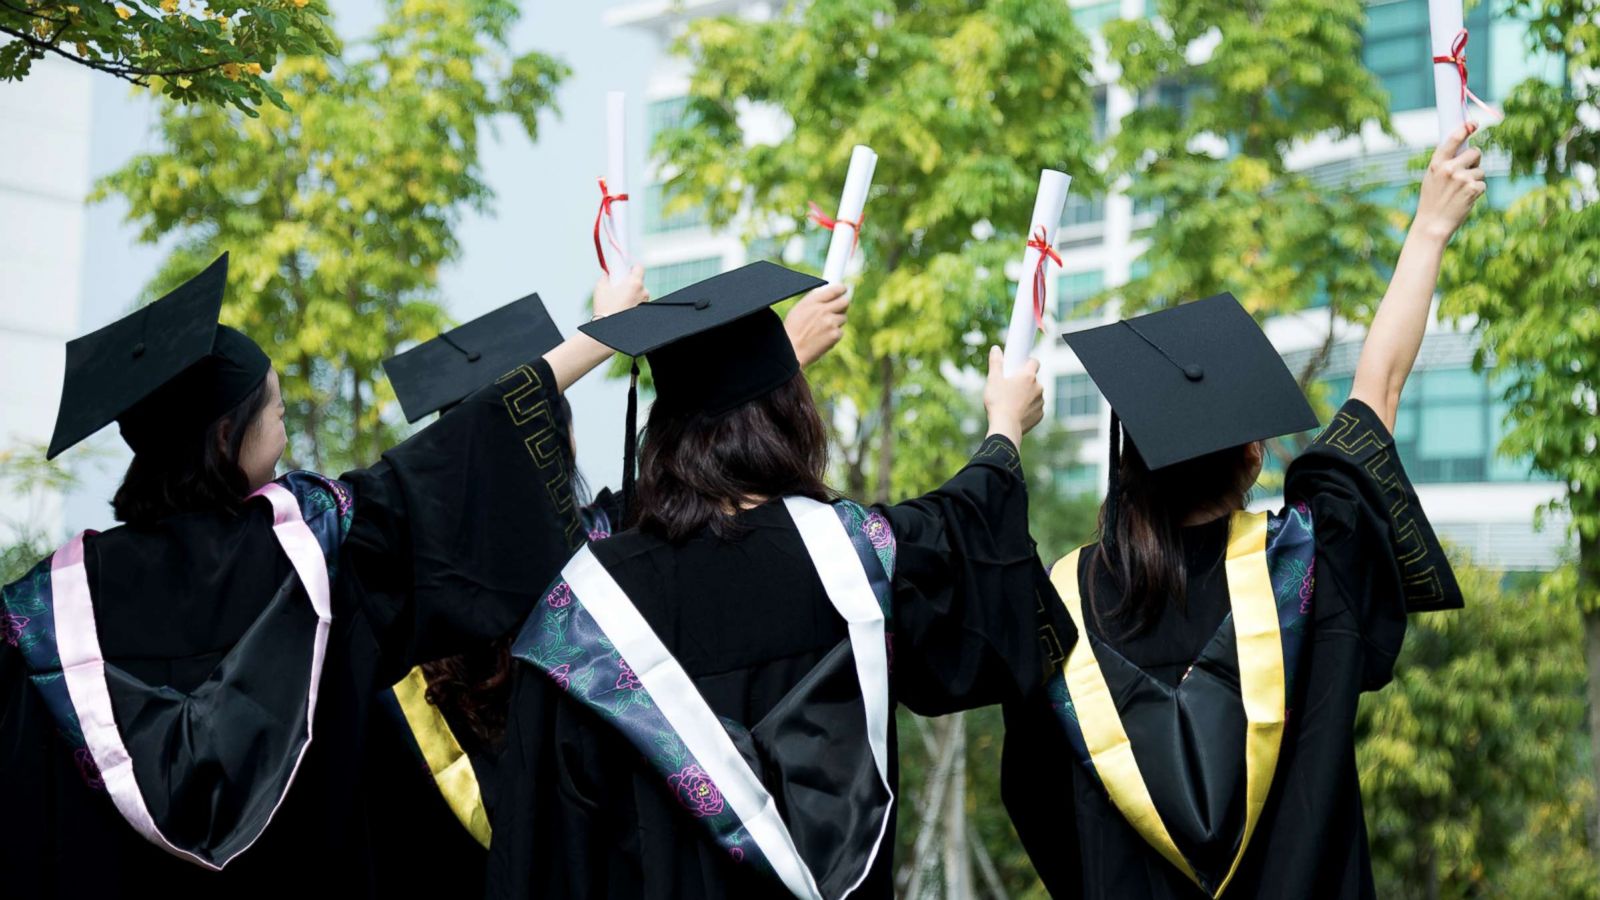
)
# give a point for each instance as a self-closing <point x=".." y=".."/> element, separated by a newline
<point x="451" y="768"/>
<point x="1261" y="686"/>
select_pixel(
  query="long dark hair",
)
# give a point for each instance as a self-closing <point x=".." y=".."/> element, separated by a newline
<point x="696" y="469"/>
<point x="197" y="473"/>
<point x="1146" y="559"/>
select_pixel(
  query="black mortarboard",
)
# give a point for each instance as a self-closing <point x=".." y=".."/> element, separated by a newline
<point x="713" y="345"/>
<point x="164" y="372"/>
<point x="1191" y="380"/>
<point x="440" y="373"/>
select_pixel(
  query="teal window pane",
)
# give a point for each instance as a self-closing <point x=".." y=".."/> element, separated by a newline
<point x="1076" y="289"/>
<point x="1077" y="478"/>
<point x="1140" y="268"/>
<point x="1092" y="17"/>
<point x="1443" y="386"/>
<point x="1453" y="431"/>
<point x="663" y="280"/>
<point x="1082" y="210"/>
<point x="1076" y="397"/>
<point x="658" y="221"/>
<point x="1100" y="115"/>
<point x="661" y="115"/>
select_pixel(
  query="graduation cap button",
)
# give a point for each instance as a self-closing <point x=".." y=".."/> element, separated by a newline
<point x="702" y="303"/>
<point x="138" y="350"/>
<point x="1193" y="372"/>
<point x="474" y="356"/>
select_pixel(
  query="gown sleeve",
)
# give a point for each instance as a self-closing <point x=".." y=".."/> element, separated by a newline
<point x="1375" y="547"/>
<point x="457" y="530"/>
<point x="975" y="619"/>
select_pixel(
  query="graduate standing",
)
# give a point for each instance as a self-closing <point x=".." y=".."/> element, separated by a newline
<point x="1198" y="741"/>
<point x="185" y="699"/>
<point x="438" y="731"/>
<point x="703" y="704"/>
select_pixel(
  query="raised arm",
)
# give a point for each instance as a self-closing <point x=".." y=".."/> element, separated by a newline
<point x="579" y="354"/>
<point x="1449" y="188"/>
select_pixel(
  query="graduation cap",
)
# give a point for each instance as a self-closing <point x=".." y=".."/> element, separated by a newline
<point x="712" y="346"/>
<point x="164" y="372"/>
<point x="439" y="373"/>
<point x="1189" y="381"/>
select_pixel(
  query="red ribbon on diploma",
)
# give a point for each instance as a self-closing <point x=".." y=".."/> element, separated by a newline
<point x="1046" y="251"/>
<point x="1458" y="58"/>
<point x="830" y="223"/>
<point x="603" y="219"/>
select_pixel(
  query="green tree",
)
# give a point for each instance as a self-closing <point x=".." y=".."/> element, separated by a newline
<point x="339" y="213"/>
<point x="1468" y="758"/>
<point x="964" y="103"/>
<point x="1530" y="275"/>
<point x="1208" y="147"/>
<point x="194" y="51"/>
<point x="29" y="481"/>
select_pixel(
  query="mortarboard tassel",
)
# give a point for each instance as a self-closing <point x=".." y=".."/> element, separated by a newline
<point x="630" y="449"/>
<point x="1108" y="523"/>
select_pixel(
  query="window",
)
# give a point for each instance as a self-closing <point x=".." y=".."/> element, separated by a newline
<point x="1448" y="428"/>
<point x="1093" y="16"/>
<point x="1076" y="289"/>
<point x="663" y="280"/>
<point x="1101" y="115"/>
<point x="1076" y="397"/>
<point x="658" y="221"/>
<point x="1082" y="210"/>
<point x="1078" y="477"/>
<point x="661" y="115"/>
<point x="1396" y="48"/>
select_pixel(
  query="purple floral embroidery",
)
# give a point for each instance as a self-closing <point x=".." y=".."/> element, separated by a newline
<point x="11" y="626"/>
<point x="562" y="675"/>
<point x="888" y="649"/>
<point x="878" y="532"/>
<point x="1307" y="585"/>
<point x="87" y="769"/>
<point x="737" y="853"/>
<point x="559" y="596"/>
<point x="626" y="680"/>
<point x="598" y="534"/>
<point x="696" y="792"/>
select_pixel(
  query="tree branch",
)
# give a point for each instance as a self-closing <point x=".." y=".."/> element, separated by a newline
<point x="133" y="74"/>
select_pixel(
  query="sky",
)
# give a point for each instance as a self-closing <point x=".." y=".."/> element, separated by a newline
<point x="536" y="237"/>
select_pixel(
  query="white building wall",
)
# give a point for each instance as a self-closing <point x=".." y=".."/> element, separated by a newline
<point x="44" y="177"/>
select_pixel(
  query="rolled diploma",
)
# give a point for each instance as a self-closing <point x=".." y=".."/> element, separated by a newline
<point x="851" y="204"/>
<point x="617" y="178"/>
<point x="1444" y="23"/>
<point x="1047" y="208"/>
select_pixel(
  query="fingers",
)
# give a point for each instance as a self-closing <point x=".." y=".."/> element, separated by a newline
<point x="1468" y="159"/>
<point x="1032" y="371"/>
<point x="1447" y="148"/>
<point x="996" y="362"/>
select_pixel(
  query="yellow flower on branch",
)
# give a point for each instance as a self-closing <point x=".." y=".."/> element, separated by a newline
<point x="123" y="12"/>
<point x="253" y="68"/>
<point x="231" y="71"/>
<point x="169" y="6"/>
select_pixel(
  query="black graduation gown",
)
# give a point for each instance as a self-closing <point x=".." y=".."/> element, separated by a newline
<point x="1376" y="558"/>
<point x="447" y="534"/>
<point x="584" y="816"/>
<point x="424" y="847"/>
